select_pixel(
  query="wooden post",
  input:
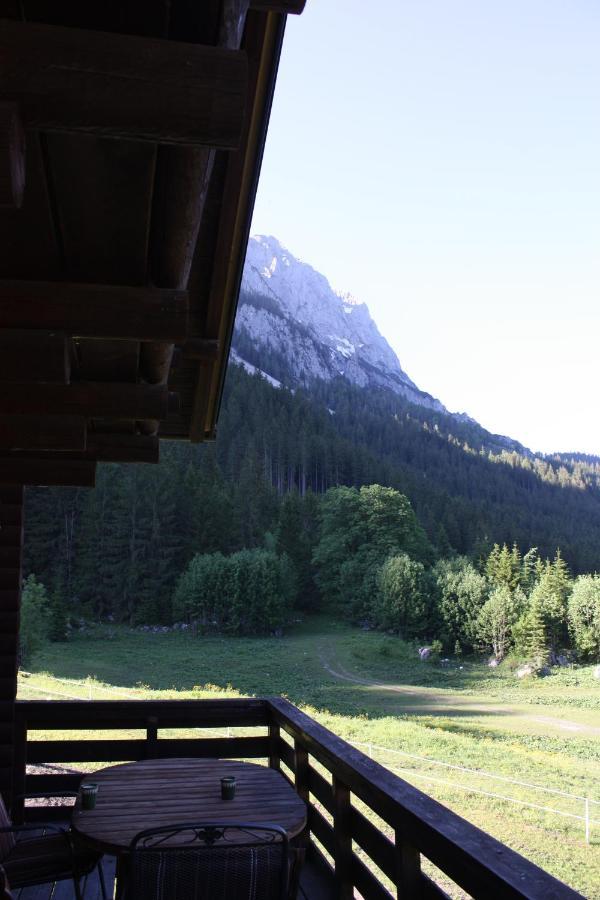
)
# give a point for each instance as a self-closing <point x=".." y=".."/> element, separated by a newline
<point x="301" y="765"/>
<point x="151" y="737"/>
<point x="17" y="808"/>
<point x="274" y="738"/>
<point x="11" y="546"/>
<point x="343" y="840"/>
<point x="408" y="868"/>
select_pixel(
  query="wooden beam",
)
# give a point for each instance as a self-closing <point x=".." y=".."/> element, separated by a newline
<point x="34" y="356"/>
<point x="12" y="157"/>
<point x="117" y="85"/>
<point x="201" y="348"/>
<point x="101" y="447"/>
<point x="94" y="400"/>
<point x="79" y="473"/>
<point x="96" y="310"/>
<point x="42" y="432"/>
<point x="291" y="7"/>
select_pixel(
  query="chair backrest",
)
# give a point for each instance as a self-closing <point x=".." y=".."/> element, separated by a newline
<point x="209" y="861"/>
<point x="7" y="839"/>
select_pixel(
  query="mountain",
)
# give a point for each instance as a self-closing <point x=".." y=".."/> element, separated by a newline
<point x="295" y="329"/>
<point x="289" y="309"/>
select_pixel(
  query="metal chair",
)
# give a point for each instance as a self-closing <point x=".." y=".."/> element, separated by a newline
<point x="32" y="855"/>
<point x="209" y="861"/>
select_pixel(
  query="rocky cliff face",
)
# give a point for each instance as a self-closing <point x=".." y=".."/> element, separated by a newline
<point x="295" y="327"/>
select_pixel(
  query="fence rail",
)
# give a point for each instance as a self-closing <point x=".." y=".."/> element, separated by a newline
<point x="586" y="818"/>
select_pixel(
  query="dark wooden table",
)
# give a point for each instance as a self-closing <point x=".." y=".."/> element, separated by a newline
<point x="156" y="792"/>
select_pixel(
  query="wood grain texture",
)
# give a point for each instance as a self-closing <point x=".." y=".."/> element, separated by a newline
<point x="67" y="79"/>
<point x="152" y="793"/>
<point x="96" y="310"/>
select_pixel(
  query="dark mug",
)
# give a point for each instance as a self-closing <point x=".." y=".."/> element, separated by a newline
<point x="228" y="787"/>
<point x="89" y="792"/>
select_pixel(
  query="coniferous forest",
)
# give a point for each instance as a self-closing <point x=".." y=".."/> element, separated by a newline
<point x="272" y="483"/>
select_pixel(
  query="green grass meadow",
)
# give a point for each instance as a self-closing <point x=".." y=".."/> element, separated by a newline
<point x="372" y="689"/>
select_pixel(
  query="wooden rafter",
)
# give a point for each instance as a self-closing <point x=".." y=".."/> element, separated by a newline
<point x="42" y="432"/>
<point x="96" y="310"/>
<point x="68" y="79"/>
<point x="93" y="400"/>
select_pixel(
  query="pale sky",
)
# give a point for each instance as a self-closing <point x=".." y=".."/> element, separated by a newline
<point x="440" y="160"/>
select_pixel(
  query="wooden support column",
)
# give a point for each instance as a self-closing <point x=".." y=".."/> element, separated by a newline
<point x="274" y="738"/>
<point x="117" y="85"/>
<point x="342" y="856"/>
<point x="408" y="868"/>
<point x="11" y="546"/>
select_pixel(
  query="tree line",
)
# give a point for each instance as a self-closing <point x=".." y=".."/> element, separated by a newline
<point x="120" y="550"/>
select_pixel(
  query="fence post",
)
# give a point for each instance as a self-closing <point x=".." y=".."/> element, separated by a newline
<point x="274" y="738"/>
<point x="342" y="855"/>
<point x="151" y="737"/>
<point x="408" y="867"/>
<point x="587" y="820"/>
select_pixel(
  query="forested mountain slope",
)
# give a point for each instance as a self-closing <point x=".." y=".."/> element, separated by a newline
<point x="122" y="546"/>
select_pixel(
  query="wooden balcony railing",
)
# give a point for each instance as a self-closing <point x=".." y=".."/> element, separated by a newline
<point x="333" y="777"/>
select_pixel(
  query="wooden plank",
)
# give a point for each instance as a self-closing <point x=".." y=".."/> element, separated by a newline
<point x="322" y="830"/>
<point x="368" y="885"/>
<point x="133" y="714"/>
<point x="90" y="399"/>
<point x="473" y="859"/>
<point x="34" y="355"/>
<point x="135" y="749"/>
<point x="12" y="156"/>
<point x="79" y="473"/>
<point x="10" y="513"/>
<point x="96" y="310"/>
<point x="289" y="7"/>
<point x="42" y="433"/>
<point x="9" y="597"/>
<point x="67" y="79"/>
<point x="322" y="790"/>
<point x="103" y="447"/>
<point x="52" y="783"/>
<point x="375" y="844"/>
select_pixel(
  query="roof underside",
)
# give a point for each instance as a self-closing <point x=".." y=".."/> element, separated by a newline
<point x="144" y="124"/>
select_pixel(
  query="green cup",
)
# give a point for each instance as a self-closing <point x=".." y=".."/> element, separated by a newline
<point x="228" y="787"/>
<point x="89" y="792"/>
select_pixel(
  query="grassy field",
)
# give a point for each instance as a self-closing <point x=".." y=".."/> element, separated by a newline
<point x="371" y="688"/>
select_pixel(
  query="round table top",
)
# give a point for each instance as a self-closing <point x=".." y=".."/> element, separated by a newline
<point x="156" y="792"/>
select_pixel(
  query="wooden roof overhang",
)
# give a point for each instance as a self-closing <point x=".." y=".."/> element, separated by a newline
<point x="131" y="138"/>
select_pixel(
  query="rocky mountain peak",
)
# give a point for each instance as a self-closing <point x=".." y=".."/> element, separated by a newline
<point x="291" y="320"/>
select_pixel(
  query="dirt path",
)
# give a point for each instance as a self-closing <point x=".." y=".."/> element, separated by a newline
<point x="427" y="701"/>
